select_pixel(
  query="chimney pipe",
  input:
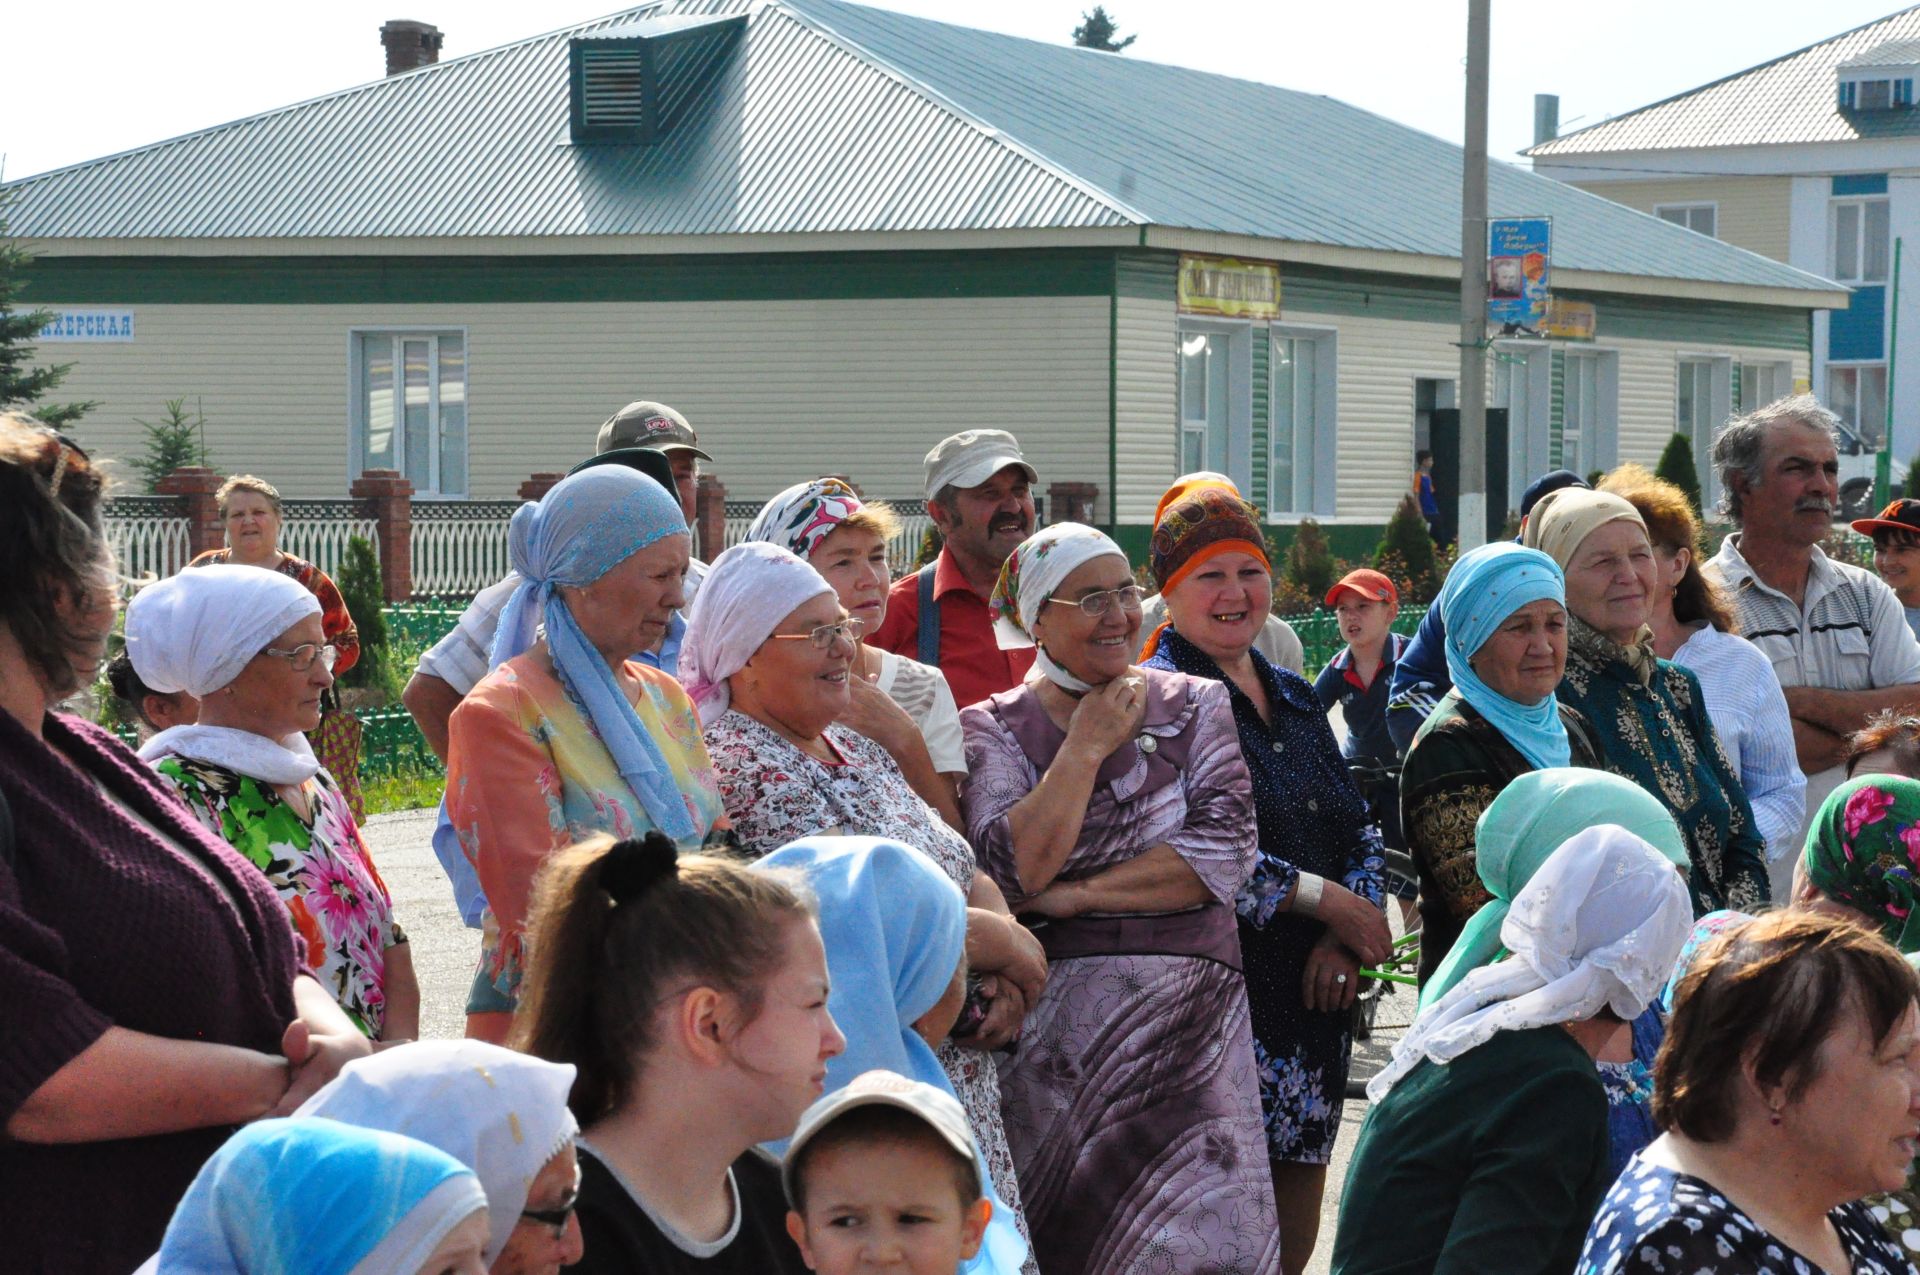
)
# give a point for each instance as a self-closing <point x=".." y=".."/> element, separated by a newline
<point x="1546" y="117"/>
<point x="410" y="44"/>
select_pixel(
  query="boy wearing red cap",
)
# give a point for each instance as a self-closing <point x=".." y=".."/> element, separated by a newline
<point x="1896" y="553"/>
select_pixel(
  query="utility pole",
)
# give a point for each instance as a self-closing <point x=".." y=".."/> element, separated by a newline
<point x="1473" y="287"/>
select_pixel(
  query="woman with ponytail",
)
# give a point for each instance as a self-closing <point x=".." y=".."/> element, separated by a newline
<point x="691" y="995"/>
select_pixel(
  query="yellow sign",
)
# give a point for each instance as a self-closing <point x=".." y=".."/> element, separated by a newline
<point x="1229" y="288"/>
<point x="1570" y="320"/>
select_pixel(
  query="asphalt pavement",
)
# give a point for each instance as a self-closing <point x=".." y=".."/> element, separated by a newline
<point x="445" y="952"/>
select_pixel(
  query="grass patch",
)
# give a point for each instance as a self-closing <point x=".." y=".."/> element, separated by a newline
<point x="407" y="790"/>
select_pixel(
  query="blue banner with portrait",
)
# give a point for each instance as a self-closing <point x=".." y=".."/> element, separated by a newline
<point x="1519" y="270"/>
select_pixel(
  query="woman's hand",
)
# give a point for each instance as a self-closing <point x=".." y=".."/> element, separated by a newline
<point x="1332" y="977"/>
<point x="317" y="1044"/>
<point x="1106" y="718"/>
<point x="1006" y="1009"/>
<point x="873" y="713"/>
<point x="1353" y="921"/>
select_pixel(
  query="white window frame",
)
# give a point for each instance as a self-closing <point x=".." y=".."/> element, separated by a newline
<point x="1237" y="442"/>
<point x="1599" y="439"/>
<point x="1854" y="271"/>
<point x="1324" y="473"/>
<point x="1688" y="214"/>
<point x="1701" y="430"/>
<point x="1779" y="372"/>
<point x="429" y="486"/>
<point x="1832" y="400"/>
<point x="1530" y="437"/>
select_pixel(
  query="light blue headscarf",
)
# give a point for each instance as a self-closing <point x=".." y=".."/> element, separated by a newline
<point x="1485" y="587"/>
<point x="586" y="526"/>
<point x="317" y="1197"/>
<point x="895" y="927"/>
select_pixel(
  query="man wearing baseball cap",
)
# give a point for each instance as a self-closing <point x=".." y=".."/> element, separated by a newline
<point x="659" y="428"/>
<point x="1896" y="553"/>
<point x="980" y="495"/>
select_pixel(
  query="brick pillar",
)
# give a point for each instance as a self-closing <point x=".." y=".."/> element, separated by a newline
<point x="709" y="516"/>
<point x="1071" y="502"/>
<point x="195" y="485"/>
<point x="388" y="500"/>
<point x="538" y="485"/>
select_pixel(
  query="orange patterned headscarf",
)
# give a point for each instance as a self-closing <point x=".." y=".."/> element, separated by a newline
<point x="1202" y="522"/>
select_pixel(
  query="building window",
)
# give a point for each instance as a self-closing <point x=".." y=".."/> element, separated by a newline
<point x="1703" y="399"/>
<point x="1300" y="466"/>
<point x="1590" y="426"/>
<point x="410" y="405"/>
<point x="1699" y="218"/>
<point x="1858" y="240"/>
<point x="1205" y="369"/>
<point x="1858" y="396"/>
<point x="1523" y="384"/>
<point x="1763" y="383"/>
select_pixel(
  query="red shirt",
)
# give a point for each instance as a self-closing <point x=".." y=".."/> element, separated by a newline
<point x="972" y="660"/>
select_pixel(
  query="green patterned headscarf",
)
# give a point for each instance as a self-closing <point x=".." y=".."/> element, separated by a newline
<point x="1522" y="827"/>
<point x="1863" y="850"/>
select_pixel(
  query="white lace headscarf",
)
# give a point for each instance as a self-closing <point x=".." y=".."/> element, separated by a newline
<point x="1599" y="926"/>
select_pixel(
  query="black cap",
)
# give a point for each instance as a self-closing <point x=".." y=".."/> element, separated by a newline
<point x="1549" y="482"/>
<point x="649" y="461"/>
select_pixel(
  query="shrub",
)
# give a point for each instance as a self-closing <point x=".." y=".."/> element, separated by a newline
<point x="1676" y="466"/>
<point x="1405" y="553"/>
<point x="930" y="543"/>
<point x="1912" y="488"/>
<point x="1308" y="569"/>
<point x="178" y="439"/>
<point x="361" y="587"/>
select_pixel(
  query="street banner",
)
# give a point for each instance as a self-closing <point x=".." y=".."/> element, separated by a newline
<point x="1519" y="259"/>
<point x="1570" y="320"/>
<point x="1229" y="288"/>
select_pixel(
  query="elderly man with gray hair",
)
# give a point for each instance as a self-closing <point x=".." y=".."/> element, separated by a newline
<point x="1836" y="633"/>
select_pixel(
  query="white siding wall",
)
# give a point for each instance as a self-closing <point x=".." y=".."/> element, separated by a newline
<point x="779" y="391"/>
<point x="1754" y="212"/>
<point x="1148" y="412"/>
<point x="1649" y="381"/>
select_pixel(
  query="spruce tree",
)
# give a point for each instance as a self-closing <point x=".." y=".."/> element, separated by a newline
<point x="22" y="385"/>
<point x="1405" y="554"/>
<point x="1309" y="563"/>
<point x="1096" y="31"/>
<point x="365" y="596"/>
<point x="1676" y="466"/>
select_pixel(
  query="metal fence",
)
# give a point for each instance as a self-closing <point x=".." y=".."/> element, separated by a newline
<point x="148" y="536"/>
<point x="459" y="547"/>
<point x="903" y="549"/>
<point x="1319" y="634"/>
<point x="318" y="530"/>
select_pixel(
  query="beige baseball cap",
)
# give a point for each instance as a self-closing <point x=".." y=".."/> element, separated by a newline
<point x="939" y="1109"/>
<point x="652" y="425"/>
<point x="972" y="456"/>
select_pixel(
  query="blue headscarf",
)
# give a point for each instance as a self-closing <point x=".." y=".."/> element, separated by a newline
<point x="1485" y="587"/>
<point x="317" y="1197"/>
<point x="895" y="927"/>
<point x="586" y="526"/>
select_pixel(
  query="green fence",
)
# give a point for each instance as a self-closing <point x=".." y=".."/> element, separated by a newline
<point x="1319" y="633"/>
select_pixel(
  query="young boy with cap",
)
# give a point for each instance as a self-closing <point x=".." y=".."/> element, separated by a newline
<point x="882" y="1174"/>
<point x="1896" y="553"/>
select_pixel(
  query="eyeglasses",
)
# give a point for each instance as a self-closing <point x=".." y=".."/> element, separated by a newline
<point x="555" y="1220"/>
<point x="1127" y="597"/>
<point x="826" y="635"/>
<point x="303" y="656"/>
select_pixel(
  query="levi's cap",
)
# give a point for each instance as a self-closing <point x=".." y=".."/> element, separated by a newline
<point x="653" y="425"/>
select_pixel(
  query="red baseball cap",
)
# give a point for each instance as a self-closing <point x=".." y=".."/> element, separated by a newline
<point x="1901" y="515"/>
<point x="1368" y="583"/>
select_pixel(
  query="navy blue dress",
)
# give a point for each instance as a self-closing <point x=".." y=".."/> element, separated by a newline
<point x="1311" y="819"/>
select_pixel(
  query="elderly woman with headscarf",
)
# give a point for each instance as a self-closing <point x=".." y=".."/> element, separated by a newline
<point x="570" y="734"/>
<point x="1310" y="917"/>
<point x="1649" y="715"/>
<point x="248" y="644"/>
<point x="316" y="1197"/>
<point x="767" y="659"/>
<point x="1114" y="801"/>
<point x="894" y="929"/>
<point x="1531" y="818"/>
<point x="1506" y="645"/>
<point x="1485" y="1148"/>
<point x="900" y="704"/>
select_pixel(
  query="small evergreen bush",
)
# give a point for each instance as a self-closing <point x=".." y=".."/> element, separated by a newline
<point x="365" y="597"/>
<point x="1676" y="466"/>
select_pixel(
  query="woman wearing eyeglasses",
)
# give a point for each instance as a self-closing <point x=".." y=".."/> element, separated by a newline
<point x="768" y="660"/>
<point x="1114" y="802"/>
<point x="250" y="646"/>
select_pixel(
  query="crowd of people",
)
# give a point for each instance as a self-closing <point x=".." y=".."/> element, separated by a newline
<point x="999" y="918"/>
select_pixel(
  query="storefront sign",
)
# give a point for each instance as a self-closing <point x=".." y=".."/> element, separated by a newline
<point x="1229" y="288"/>
<point x="1519" y="257"/>
<point x="89" y="325"/>
<point x="1570" y="320"/>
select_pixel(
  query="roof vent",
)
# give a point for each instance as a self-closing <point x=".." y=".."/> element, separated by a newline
<point x="1879" y="79"/>
<point x="631" y="82"/>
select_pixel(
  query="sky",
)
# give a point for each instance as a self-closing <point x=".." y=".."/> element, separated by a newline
<point x="105" y="77"/>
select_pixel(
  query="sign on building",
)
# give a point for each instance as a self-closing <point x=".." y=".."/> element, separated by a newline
<point x="1519" y="261"/>
<point x="89" y="325"/>
<point x="1229" y="288"/>
<point x="1570" y="320"/>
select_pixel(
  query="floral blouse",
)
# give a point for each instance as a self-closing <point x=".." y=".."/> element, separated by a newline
<point x="321" y="868"/>
<point x="527" y="775"/>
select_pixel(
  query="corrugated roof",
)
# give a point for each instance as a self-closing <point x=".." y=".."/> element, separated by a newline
<point x="830" y="116"/>
<point x="1790" y="99"/>
<point x="1889" y="53"/>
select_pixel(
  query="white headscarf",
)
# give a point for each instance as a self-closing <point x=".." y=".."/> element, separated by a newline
<point x="1599" y="926"/>
<point x="749" y="589"/>
<point x="195" y="632"/>
<point x="502" y="1114"/>
<point x="1029" y="577"/>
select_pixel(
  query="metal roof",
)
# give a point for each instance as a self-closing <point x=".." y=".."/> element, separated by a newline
<point x="830" y="116"/>
<point x="1791" y="99"/>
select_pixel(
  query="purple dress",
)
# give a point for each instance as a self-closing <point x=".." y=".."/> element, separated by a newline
<point x="1132" y="1102"/>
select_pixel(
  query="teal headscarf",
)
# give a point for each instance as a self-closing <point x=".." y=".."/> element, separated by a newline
<point x="1485" y="587"/>
<point x="1522" y="827"/>
<point x="1863" y="850"/>
<point x="309" y="1196"/>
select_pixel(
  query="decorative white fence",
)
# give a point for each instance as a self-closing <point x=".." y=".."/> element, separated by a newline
<point x="903" y="550"/>
<point x="148" y="536"/>
<point x="459" y="548"/>
<point x="318" y="530"/>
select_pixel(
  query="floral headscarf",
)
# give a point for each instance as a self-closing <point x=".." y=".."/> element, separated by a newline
<point x="805" y="514"/>
<point x="1863" y="850"/>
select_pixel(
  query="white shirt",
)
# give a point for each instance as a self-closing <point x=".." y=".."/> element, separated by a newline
<point x="922" y="692"/>
<point x="1749" y="713"/>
